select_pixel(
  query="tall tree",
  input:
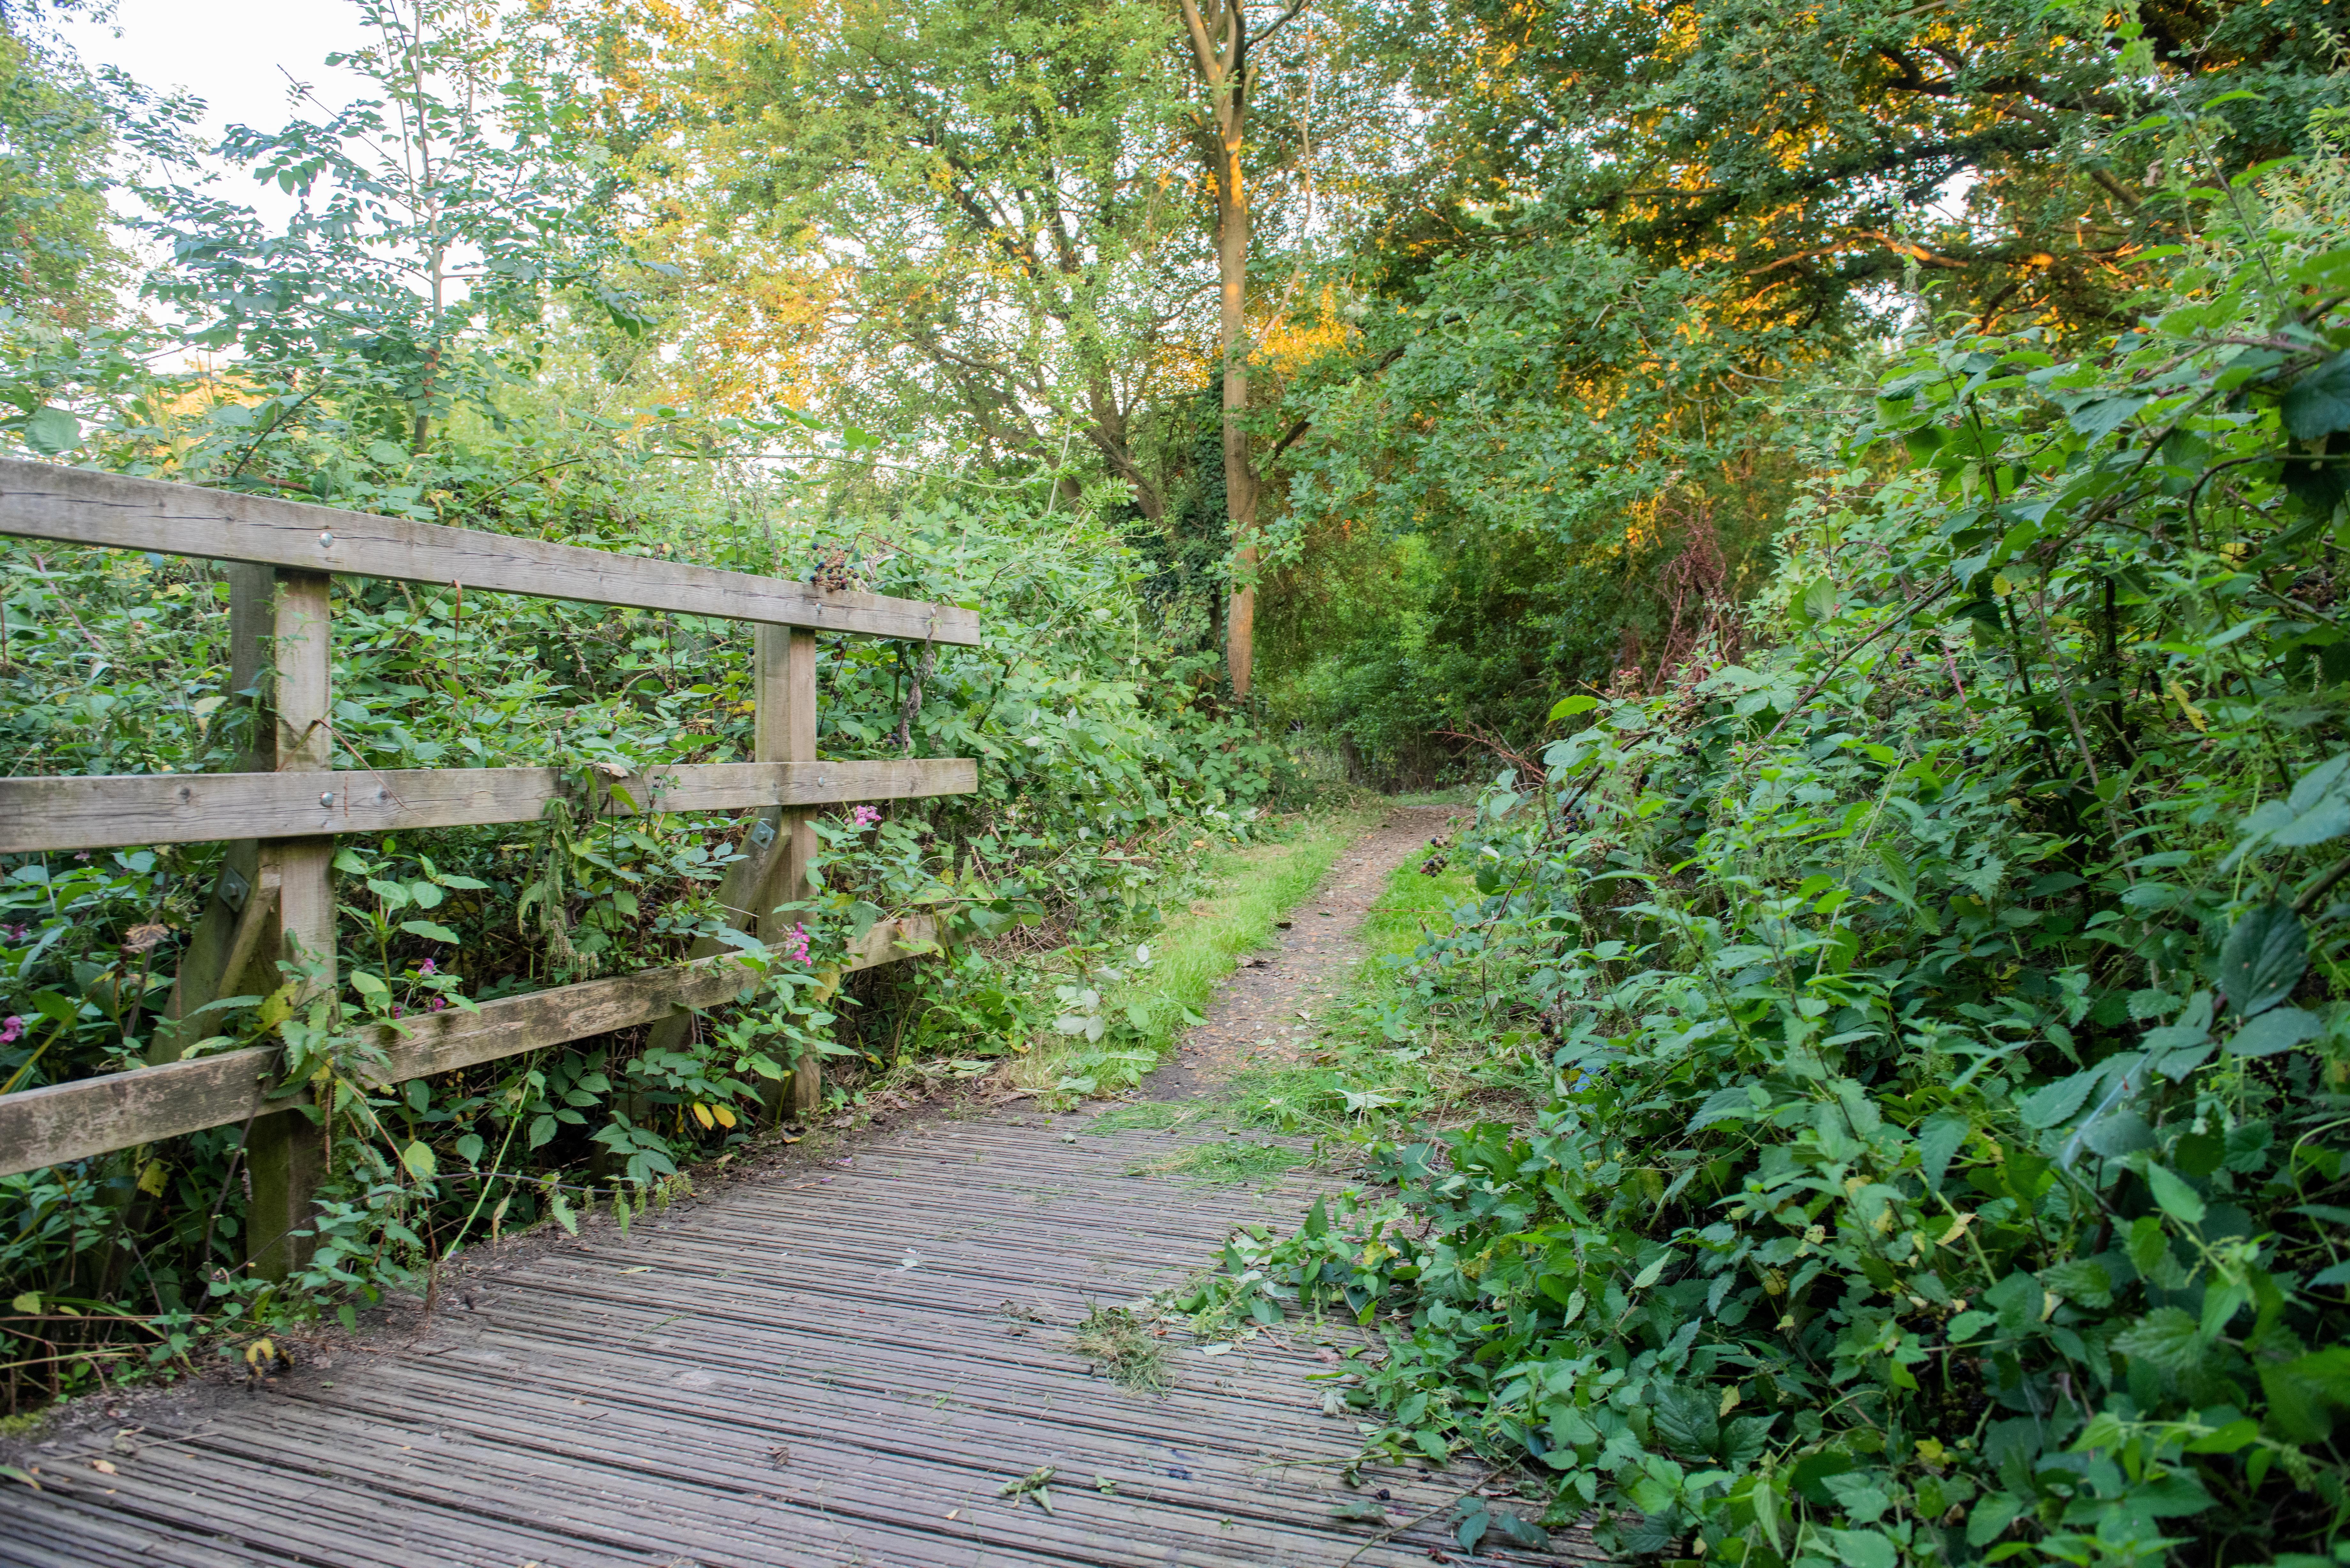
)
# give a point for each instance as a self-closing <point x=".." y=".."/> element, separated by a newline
<point x="1221" y="44"/>
<point x="945" y="218"/>
<point x="56" y="258"/>
<point x="2018" y="154"/>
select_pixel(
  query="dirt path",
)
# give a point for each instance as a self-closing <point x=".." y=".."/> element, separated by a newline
<point x="868" y="1363"/>
<point x="1257" y="1019"/>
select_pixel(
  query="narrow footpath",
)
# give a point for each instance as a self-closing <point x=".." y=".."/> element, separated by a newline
<point x="867" y="1363"/>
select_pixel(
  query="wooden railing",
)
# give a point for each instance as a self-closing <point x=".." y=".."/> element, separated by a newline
<point x="275" y="897"/>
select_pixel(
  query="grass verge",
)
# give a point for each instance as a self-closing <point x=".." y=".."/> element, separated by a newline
<point x="1391" y="1064"/>
<point x="1248" y="891"/>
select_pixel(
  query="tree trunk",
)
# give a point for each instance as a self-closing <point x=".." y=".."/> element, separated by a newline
<point x="1219" y="40"/>
<point x="1240" y="475"/>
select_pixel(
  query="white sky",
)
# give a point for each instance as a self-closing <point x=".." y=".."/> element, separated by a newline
<point x="233" y="54"/>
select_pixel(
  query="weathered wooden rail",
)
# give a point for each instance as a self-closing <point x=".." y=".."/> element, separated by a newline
<point x="280" y="811"/>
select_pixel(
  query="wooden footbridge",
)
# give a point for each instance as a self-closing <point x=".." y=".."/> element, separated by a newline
<point x="847" y="1364"/>
<point x="863" y="1360"/>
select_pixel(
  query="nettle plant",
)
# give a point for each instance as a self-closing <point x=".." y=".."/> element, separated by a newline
<point x="1945" y="1157"/>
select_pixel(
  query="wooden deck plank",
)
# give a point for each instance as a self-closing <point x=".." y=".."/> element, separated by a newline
<point x="616" y="1399"/>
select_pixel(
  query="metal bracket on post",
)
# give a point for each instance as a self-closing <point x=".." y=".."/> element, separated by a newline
<point x="762" y="833"/>
<point x="233" y="890"/>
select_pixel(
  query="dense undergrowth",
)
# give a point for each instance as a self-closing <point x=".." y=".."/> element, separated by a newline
<point x="1942" y="1151"/>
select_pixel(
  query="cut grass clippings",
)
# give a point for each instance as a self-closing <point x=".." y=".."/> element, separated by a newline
<point x="1225" y="1164"/>
<point x="1120" y="1344"/>
<point x="1150" y="1116"/>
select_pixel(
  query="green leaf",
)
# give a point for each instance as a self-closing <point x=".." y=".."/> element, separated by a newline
<point x="2279" y="1028"/>
<point x="1472" y="1529"/>
<point x="427" y="928"/>
<point x="2175" y="1197"/>
<point x="2317" y="809"/>
<point x="2228" y="1439"/>
<point x="367" y="984"/>
<point x="1567" y="707"/>
<point x="51" y="430"/>
<point x="2178" y="1495"/>
<point x="1865" y="1549"/>
<point x="2265" y="955"/>
<point x="561" y="1209"/>
<point x="1688" y="1420"/>
<point x="393" y="894"/>
<point x="2050" y="1106"/>
<point x="2082" y="1280"/>
<point x="2106" y="415"/>
<point x="2166" y="1337"/>
<point x="418" y="1158"/>
<point x="2319" y="403"/>
<point x="1733" y="1104"/>
<point x="1521" y="1531"/>
<point x="2303" y="1393"/>
<point x="1967" y="1325"/>
<point x="1989" y="1519"/>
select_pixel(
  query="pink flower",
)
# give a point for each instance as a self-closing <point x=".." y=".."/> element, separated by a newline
<point x="865" y="816"/>
<point x="795" y="944"/>
<point x="436" y="1004"/>
<point x="398" y="1010"/>
<point x="11" y="1031"/>
<point x="426" y="967"/>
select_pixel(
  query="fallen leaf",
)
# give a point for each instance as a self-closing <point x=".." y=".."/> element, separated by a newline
<point x="639" y="1268"/>
<point x="103" y="1467"/>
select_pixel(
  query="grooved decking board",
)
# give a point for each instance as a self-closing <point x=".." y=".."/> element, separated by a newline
<point x="615" y="1400"/>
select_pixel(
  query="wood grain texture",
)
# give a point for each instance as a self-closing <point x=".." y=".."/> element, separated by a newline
<point x="105" y="811"/>
<point x="92" y="1115"/>
<point x="79" y="506"/>
<point x="830" y="1365"/>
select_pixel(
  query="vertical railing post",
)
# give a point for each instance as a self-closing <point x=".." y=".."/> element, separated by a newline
<point x="786" y="694"/>
<point x="283" y="1151"/>
<point x="223" y="945"/>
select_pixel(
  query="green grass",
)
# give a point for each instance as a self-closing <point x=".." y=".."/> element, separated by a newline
<point x="1412" y="902"/>
<point x="1373" y="1078"/>
<point x="1225" y="1164"/>
<point x="1450" y="795"/>
<point x="1248" y="891"/>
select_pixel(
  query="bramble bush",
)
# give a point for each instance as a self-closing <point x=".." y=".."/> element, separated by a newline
<point x="1944" y="1158"/>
